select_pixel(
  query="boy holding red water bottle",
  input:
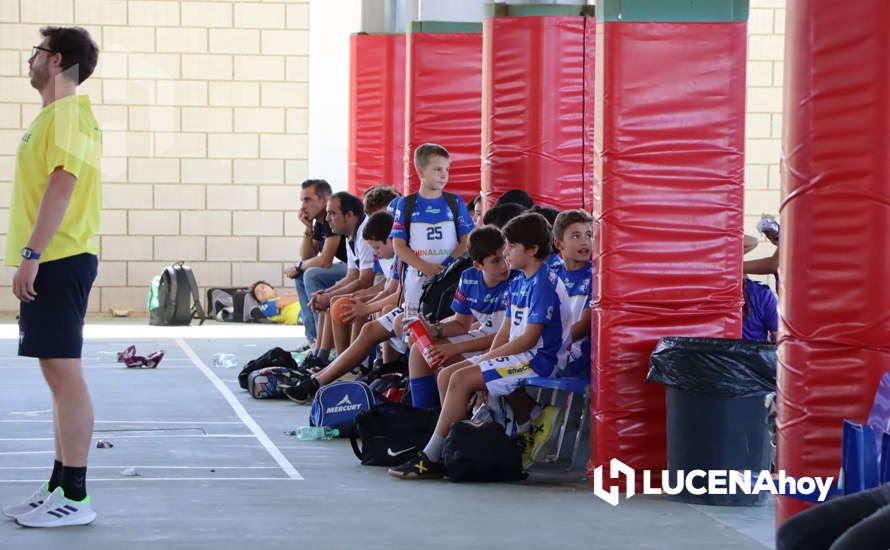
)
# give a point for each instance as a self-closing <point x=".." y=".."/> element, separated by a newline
<point x="532" y="341"/>
<point x="430" y="230"/>
<point x="479" y="305"/>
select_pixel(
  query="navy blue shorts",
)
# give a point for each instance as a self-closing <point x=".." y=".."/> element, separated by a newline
<point x="51" y="327"/>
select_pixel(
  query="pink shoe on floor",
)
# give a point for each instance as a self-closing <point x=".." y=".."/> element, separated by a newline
<point x="127" y="354"/>
<point x="150" y="362"/>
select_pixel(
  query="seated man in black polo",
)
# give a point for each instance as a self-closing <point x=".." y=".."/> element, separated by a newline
<point x="322" y="254"/>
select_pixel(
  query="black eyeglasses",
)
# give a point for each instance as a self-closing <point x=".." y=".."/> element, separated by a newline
<point x="36" y="49"/>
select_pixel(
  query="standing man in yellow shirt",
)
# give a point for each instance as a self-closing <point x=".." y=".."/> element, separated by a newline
<point x="54" y="216"/>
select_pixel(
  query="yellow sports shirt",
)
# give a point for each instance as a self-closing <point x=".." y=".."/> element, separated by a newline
<point x="289" y="315"/>
<point x="64" y="134"/>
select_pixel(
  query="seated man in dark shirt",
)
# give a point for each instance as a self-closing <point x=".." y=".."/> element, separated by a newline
<point x="322" y="254"/>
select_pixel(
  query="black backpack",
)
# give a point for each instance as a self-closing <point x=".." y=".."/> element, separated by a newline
<point x="481" y="451"/>
<point x="275" y="357"/>
<point x="391" y="433"/>
<point x="178" y="298"/>
<point x="438" y="290"/>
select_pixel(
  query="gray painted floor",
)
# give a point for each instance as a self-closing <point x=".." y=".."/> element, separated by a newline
<point x="207" y="481"/>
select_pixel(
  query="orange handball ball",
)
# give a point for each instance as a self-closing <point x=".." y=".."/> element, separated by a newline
<point x="341" y="307"/>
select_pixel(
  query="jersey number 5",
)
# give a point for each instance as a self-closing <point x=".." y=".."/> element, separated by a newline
<point x="517" y="317"/>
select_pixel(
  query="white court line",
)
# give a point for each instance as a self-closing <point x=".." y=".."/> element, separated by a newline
<point x="116" y="437"/>
<point x="242" y="413"/>
<point x="140" y="478"/>
<point x="7" y="453"/>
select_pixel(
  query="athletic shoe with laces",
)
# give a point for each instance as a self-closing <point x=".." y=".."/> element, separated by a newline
<point x="15" y="510"/>
<point x="58" y="511"/>
<point x="303" y="392"/>
<point x="419" y="467"/>
<point x="313" y="364"/>
<point x="541" y="431"/>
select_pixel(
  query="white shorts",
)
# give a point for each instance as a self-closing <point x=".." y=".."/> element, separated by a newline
<point x="472" y="335"/>
<point x="504" y="374"/>
<point x="388" y="323"/>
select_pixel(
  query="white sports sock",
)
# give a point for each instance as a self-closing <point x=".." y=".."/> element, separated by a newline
<point x="433" y="449"/>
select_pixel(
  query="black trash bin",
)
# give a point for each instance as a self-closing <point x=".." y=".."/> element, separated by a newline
<point x="716" y="418"/>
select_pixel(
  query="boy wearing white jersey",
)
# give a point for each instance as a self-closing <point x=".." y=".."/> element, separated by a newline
<point x="533" y="339"/>
<point x="480" y="299"/>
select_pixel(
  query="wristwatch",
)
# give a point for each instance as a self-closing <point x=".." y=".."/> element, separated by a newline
<point x="299" y="267"/>
<point x="30" y="254"/>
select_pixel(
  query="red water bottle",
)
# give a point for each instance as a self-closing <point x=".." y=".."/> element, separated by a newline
<point x="423" y="340"/>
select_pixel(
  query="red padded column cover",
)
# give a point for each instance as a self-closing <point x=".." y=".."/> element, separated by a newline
<point x="835" y="300"/>
<point x="533" y="107"/>
<point x="669" y="198"/>
<point x="376" y="111"/>
<point x="444" y="105"/>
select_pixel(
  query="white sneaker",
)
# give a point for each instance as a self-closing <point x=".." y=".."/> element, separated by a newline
<point x="15" y="510"/>
<point x="58" y="511"/>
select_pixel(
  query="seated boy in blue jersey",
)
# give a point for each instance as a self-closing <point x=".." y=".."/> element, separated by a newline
<point x="376" y="233"/>
<point x="532" y="341"/>
<point x="481" y="300"/>
<point x="284" y="310"/>
<point x="573" y="236"/>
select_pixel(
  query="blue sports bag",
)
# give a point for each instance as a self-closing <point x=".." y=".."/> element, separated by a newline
<point x="336" y="405"/>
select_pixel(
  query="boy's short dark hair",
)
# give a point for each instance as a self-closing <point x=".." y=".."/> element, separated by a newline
<point x="77" y="48"/>
<point x="499" y="215"/>
<point x="484" y="241"/>
<point x="349" y="203"/>
<point x="322" y="187"/>
<point x="567" y="218"/>
<point x="253" y="289"/>
<point x="530" y="229"/>
<point x="378" y="227"/>
<point x="425" y="152"/>
<point x="379" y="197"/>
<point x="516" y="196"/>
<point x="548" y="212"/>
<point x="472" y="204"/>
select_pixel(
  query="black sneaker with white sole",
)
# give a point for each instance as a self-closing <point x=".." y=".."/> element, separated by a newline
<point x="419" y="467"/>
<point x="303" y="392"/>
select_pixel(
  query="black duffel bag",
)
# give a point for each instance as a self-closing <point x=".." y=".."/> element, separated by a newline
<point x="481" y="451"/>
<point x="391" y="433"/>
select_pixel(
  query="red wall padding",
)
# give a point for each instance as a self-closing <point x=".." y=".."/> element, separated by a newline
<point x="669" y="198"/>
<point x="533" y="107"/>
<point x="835" y="300"/>
<point x="444" y="105"/>
<point x="376" y="111"/>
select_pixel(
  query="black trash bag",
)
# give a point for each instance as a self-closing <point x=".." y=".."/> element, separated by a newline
<point x="719" y="367"/>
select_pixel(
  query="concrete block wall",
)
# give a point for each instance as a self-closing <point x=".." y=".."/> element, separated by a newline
<point x="763" y="121"/>
<point x="204" y="110"/>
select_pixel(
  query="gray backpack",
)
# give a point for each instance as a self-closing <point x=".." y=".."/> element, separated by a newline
<point x="173" y="298"/>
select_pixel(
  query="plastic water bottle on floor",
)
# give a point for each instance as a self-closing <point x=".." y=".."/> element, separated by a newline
<point x="107" y="357"/>
<point x="309" y="433"/>
<point x="225" y="360"/>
